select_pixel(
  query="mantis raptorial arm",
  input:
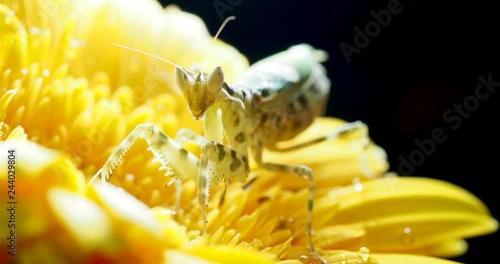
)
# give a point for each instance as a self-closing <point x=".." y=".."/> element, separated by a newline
<point x="217" y="162"/>
<point x="178" y="162"/>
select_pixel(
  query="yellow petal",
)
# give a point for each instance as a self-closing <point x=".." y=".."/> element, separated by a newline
<point x="136" y="226"/>
<point x="342" y="160"/>
<point x="85" y="220"/>
<point x="125" y="207"/>
<point x="176" y="256"/>
<point x="229" y="255"/>
<point x="38" y="168"/>
<point x="35" y="170"/>
<point x="409" y="259"/>
<point x="445" y="249"/>
<point x="46" y="43"/>
<point x="405" y="213"/>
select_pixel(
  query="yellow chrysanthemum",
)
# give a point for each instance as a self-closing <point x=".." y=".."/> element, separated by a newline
<point x="68" y="97"/>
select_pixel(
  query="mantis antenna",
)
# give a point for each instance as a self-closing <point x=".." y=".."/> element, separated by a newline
<point x="170" y="62"/>
<point x="145" y="53"/>
<point x="215" y="37"/>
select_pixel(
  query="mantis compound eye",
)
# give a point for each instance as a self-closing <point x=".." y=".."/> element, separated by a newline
<point x="215" y="80"/>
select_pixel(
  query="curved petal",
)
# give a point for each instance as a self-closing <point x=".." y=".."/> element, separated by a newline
<point x="401" y="214"/>
<point x="444" y="249"/>
<point x="409" y="259"/>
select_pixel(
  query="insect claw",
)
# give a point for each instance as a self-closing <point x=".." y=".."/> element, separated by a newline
<point x="171" y="182"/>
<point x="94" y="177"/>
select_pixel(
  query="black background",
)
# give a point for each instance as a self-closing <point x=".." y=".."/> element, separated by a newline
<point x="426" y="59"/>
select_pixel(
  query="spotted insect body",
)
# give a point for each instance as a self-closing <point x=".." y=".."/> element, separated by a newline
<point x="276" y="100"/>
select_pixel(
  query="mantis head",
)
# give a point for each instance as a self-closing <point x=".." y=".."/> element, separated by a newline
<point x="199" y="89"/>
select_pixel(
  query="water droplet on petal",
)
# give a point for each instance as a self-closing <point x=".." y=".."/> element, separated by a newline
<point x="168" y="212"/>
<point x="308" y="259"/>
<point x="35" y="31"/>
<point x="130" y="177"/>
<point x="45" y="72"/>
<point x="391" y="178"/>
<point x="364" y="254"/>
<point x="25" y="71"/>
<point x="407" y="237"/>
<point x="358" y="186"/>
<point x="76" y="43"/>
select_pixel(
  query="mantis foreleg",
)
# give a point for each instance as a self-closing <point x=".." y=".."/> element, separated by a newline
<point x="217" y="160"/>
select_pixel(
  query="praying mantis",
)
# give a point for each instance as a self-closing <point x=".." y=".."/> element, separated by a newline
<point x="277" y="99"/>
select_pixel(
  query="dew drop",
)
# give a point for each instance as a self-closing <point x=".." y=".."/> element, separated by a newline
<point x="308" y="259"/>
<point x="35" y="31"/>
<point x="168" y="212"/>
<point x="364" y="254"/>
<point x="391" y="178"/>
<point x="130" y="177"/>
<point x="358" y="186"/>
<point x="76" y="43"/>
<point x="407" y="237"/>
<point x="160" y="106"/>
<point x="25" y="71"/>
<point x="45" y="72"/>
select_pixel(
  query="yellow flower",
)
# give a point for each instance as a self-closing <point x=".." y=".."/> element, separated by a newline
<point x="68" y="97"/>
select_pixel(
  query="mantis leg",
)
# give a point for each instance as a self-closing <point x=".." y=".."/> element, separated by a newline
<point x="185" y="135"/>
<point x="218" y="161"/>
<point x="178" y="162"/>
<point x="357" y="128"/>
<point x="302" y="171"/>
